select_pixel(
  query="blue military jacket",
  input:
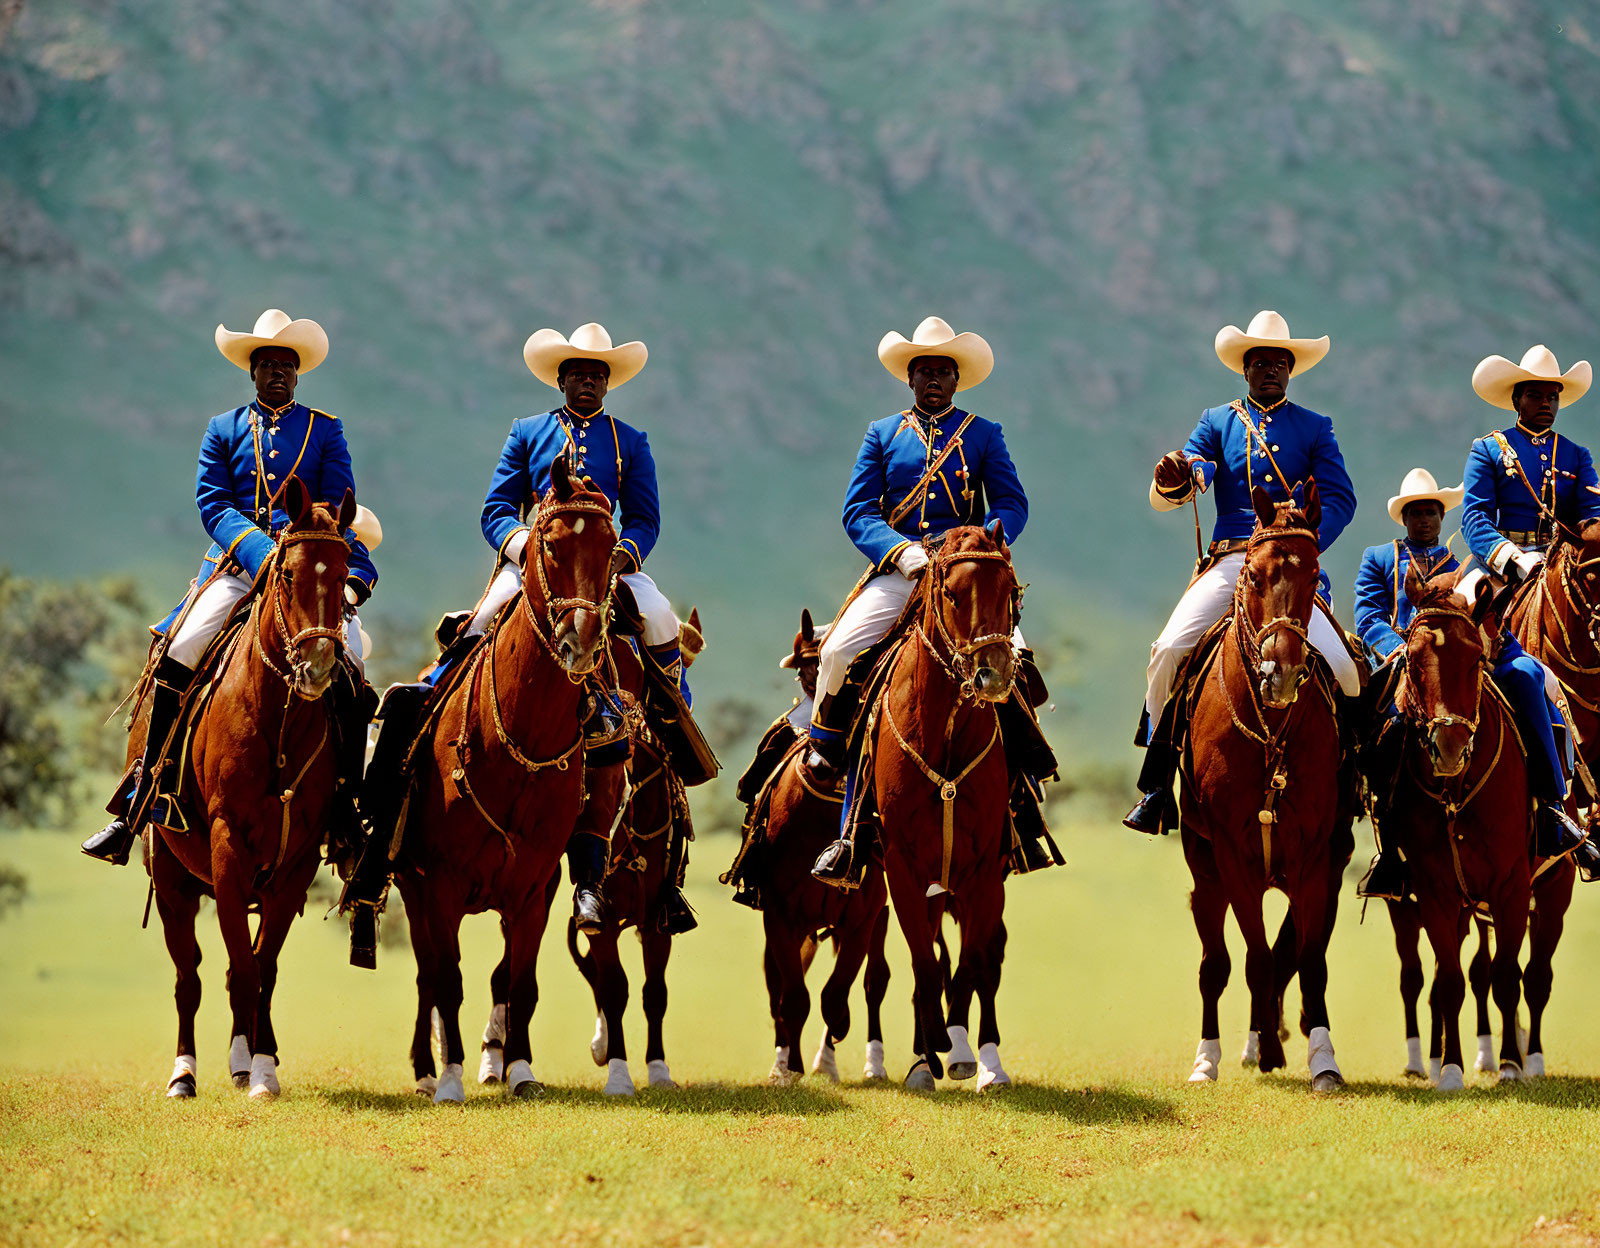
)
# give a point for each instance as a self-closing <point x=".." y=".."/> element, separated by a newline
<point x="895" y="455"/>
<point x="1383" y="612"/>
<point x="1559" y="474"/>
<point x="1298" y="441"/>
<point x="615" y="456"/>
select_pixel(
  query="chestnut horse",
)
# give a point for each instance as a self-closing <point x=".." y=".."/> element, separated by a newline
<point x="1558" y="623"/>
<point x="500" y="786"/>
<point x="1261" y="798"/>
<point x="798" y="911"/>
<point x="1461" y="808"/>
<point x="939" y="777"/>
<point x="261" y="774"/>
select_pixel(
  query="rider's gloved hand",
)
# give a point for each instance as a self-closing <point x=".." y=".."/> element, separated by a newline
<point x="911" y="560"/>
<point x="1174" y="477"/>
<point x="355" y="593"/>
<point x="1526" y="563"/>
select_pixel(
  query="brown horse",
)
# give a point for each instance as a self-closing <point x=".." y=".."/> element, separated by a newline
<point x="798" y="911"/>
<point x="499" y="789"/>
<point x="939" y="779"/>
<point x="1261" y="798"/>
<point x="1460" y="809"/>
<point x="261" y="774"/>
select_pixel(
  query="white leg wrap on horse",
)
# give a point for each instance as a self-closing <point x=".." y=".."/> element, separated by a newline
<point x="239" y="1056"/>
<point x="494" y="1031"/>
<point x="962" y="1062"/>
<point x="618" y="1081"/>
<point x="660" y="622"/>
<point x="1414" y="1064"/>
<point x="181" y="1085"/>
<point x="1207" y="1062"/>
<point x="935" y="889"/>
<point x="826" y="1062"/>
<point x="874" y="1068"/>
<point x="658" y="1074"/>
<point x="451" y="1090"/>
<point x="1450" y="1079"/>
<point x="1533" y="1066"/>
<point x="492" y="1065"/>
<point x="436" y="1030"/>
<point x="991" y="1074"/>
<point x="782" y="1073"/>
<point x="1251" y="1057"/>
<point x="1510" y="1072"/>
<point x="1435" y="1069"/>
<point x="1487" y="1060"/>
<point x="921" y="1078"/>
<point x="1319" y="1053"/>
<point x="263" y="1077"/>
<point x="520" y="1080"/>
<point x="600" y="1043"/>
<point x="427" y="1085"/>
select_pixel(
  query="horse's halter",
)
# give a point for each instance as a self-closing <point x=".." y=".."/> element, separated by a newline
<point x="1251" y="638"/>
<point x="1445" y="719"/>
<point x="962" y="669"/>
<point x="291" y="641"/>
<point x="555" y="608"/>
<point x="1572" y="572"/>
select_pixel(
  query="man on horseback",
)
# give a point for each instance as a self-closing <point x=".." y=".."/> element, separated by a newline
<point x="1260" y="440"/>
<point x="247" y="459"/>
<point x="1382" y="615"/>
<point x="1527" y="486"/>
<point x="920" y="473"/>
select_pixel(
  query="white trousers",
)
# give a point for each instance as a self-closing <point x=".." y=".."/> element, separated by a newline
<point x="1202" y="605"/>
<point x="865" y="622"/>
<point x="211" y="610"/>
<point x="660" y="623"/>
<point x="1467" y="587"/>
<point x="799" y="715"/>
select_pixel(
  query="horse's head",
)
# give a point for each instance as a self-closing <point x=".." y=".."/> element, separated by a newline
<point x="306" y="589"/>
<point x="973" y="600"/>
<point x="1277" y="589"/>
<point x="566" y="568"/>
<point x="1446" y="647"/>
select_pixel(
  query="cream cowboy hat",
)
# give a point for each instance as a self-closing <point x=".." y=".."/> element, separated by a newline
<point x="1418" y="485"/>
<point x="546" y="349"/>
<point x="1268" y="329"/>
<point x="275" y="329"/>
<point x="1496" y="377"/>
<point x="974" y="360"/>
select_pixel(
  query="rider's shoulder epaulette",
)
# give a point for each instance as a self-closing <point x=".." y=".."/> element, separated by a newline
<point x="317" y="411"/>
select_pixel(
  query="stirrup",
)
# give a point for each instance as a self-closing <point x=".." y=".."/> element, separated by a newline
<point x="588" y="910"/>
<point x="1385" y="879"/>
<point x="836" y="865"/>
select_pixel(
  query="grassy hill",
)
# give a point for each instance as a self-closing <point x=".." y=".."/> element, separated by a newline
<point x="760" y="191"/>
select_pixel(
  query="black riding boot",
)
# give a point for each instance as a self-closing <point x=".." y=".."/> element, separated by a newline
<point x="1035" y="848"/>
<point x="586" y="863"/>
<point x="384" y="787"/>
<point x="351" y="702"/>
<point x="1155" y="812"/>
<point x="112" y="843"/>
<point x="834" y="715"/>
<point x="1587" y="859"/>
<point x="676" y="915"/>
<point x="364" y="895"/>
<point x="773" y="749"/>
<point x="1026" y="748"/>
<point x="693" y="760"/>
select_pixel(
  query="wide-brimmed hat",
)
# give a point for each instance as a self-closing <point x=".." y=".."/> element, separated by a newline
<point x="547" y="349"/>
<point x="275" y="329"/>
<point x="1496" y="377"/>
<point x="974" y="360"/>
<point x="1268" y="329"/>
<point x="1419" y="485"/>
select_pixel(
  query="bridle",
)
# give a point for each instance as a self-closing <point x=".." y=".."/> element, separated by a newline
<point x="291" y="641"/>
<point x="1250" y="637"/>
<point x="961" y="666"/>
<point x="555" y="608"/>
<point x="1445" y="719"/>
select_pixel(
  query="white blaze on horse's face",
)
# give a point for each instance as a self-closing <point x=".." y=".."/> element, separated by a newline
<point x="1279" y="582"/>
<point x="1444" y="666"/>
<point x="572" y="564"/>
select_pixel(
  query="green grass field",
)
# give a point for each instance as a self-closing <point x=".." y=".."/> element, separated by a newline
<point x="1100" y="1141"/>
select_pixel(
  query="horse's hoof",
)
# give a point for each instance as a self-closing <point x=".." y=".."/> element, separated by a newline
<point x="618" y="1081"/>
<point x="826" y="1062"/>
<point x="450" y="1090"/>
<point x="1251" y="1057"/>
<point x="935" y="1066"/>
<point x="241" y="1079"/>
<point x="1486" y="1059"/>
<point x="1450" y="1079"/>
<point x="992" y="1075"/>
<point x="1533" y="1066"/>
<point x="1415" y="1073"/>
<point x="874" y="1071"/>
<point x="1327" y="1081"/>
<point x="1207" y="1062"/>
<point x="1324" y="1067"/>
<point x="427" y="1085"/>
<point x="239" y="1062"/>
<point x="520" y="1080"/>
<point x="963" y="1061"/>
<point x="1510" y="1072"/>
<point x="780" y="1076"/>
<point x="491" y="1067"/>
<point x="181" y="1086"/>
<point x="659" y="1075"/>
<point x="921" y="1078"/>
<point x="600" y="1045"/>
<point x="263" y="1077"/>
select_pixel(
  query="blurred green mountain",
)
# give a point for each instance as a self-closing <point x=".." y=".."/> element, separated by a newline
<point x="760" y="191"/>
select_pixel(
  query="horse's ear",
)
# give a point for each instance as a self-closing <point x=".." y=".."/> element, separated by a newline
<point x="1266" y="509"/>
<point x="1312" y="506"/>
<point x="1483" y="605"/>
<point x="694" y="620"/>
<point x="808" y="630"/>
<point x="347" y="509"/>
<point x="997" y="530"/>
<point x="1416" y="586"/>
<point x="561" y="478"/>
<point x="296" y="501"/>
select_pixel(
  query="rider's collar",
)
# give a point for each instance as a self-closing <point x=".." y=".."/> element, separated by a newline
<point x="1426" y="548"/>
<point x="572" y="415"/>
<point x="1265" y="410"/>
<point x="935" y="417"/>
<point x="1538" y="439"/>
<point x="269" y="413"/>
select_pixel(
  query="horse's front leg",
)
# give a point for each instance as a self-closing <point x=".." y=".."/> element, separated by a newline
<point x="444" y="940"/>
<point x="492" y="1064"/>
<point x="1510" y="910"/>
<point x="653" y="996"/>
<point x="876" y="985"/>
<point x="909" y="888"/>
<point x="177" y="902"/>
<point x="231" y="885"/>
<point x="1445" y="921"/>
<point x="1314" y="897"/>
<point x="423" y="1069"/>
<point x="786" y="993"/>
<point x="1552" y="896"/>
<point x="983" y="927"/>
<point x="524" y="933"/>
<point x="611" y="996"/>
<point x="1208" y="905"/>
<point x="278" y="912"/>
<point x="850" y="951"/>
<point x="1243" y="886"/>
<point x="959" y="987"/>
<point x="1407" y="933"/>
